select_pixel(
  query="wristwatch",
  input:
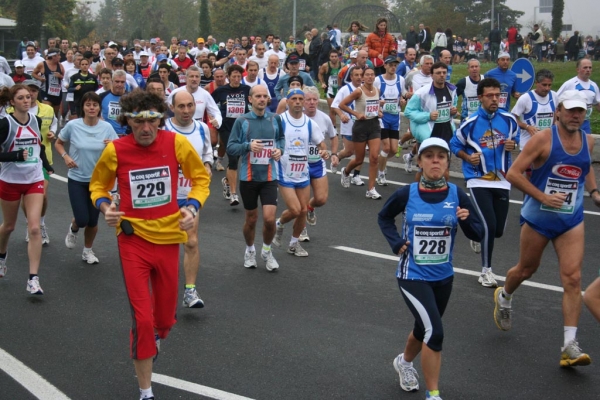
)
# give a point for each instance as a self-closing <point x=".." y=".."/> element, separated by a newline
<point x="193" y="210"/>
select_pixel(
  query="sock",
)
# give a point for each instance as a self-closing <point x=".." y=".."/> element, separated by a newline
<point x="250" y="249"/>
<point x="570" y="333"/>
<point x="355" y="173"/>
<point x="32" y="275"/>
<point x="42" y="221"/>
<point x="485" y="269"/>
<point x="266" y="248"/>
<point x="146" y="393"/>
<point x="506" y="295"/>
<point x="293" y="241"/>
<point x="431" y="393"/>
<point x="309" y="208"/>
<point x="504" y="299"/>
<point x="86" y="248"/>
<point x="404" y="362"/>
<point x="382" y="173"/>
<point x="188" y="286"/>
<point x="2" y="256"/>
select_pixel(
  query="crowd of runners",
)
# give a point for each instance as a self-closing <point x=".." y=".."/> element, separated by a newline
<point x="143" y="129"/>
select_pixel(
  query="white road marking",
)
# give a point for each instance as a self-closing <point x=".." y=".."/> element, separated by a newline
<point x="59" y="178"/>
<point x="195" y="388"/>
<point x="457" y="270"/>
<point x="29" y="379"/>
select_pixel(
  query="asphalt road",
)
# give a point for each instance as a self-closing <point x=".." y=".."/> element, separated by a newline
<point x="323" y="327"/>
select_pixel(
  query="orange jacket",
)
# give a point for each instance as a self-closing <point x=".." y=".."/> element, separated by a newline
<point x="379" y="45"/>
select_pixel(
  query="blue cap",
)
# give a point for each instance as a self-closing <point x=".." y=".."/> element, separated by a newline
<point x="161" y="57"/>
<point x="294" y="91"/>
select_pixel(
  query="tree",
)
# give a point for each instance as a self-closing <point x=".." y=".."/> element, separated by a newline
<point x="29" y="24"/>
<point x="558" y="8"/>
<point x="83" y="23"/>
<point x="58" y="16"/>
<point x="204" y="26"/>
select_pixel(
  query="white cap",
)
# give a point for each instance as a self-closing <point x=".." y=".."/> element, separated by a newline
<point x="221" y="44"/>
<point x="503" y="54"/>
<point x="354" y="54"/>
<point x="572" y="99"/>
<point x="144" y="53"/>
<point x="433" y="142"/>
<point x="18" y="64"/>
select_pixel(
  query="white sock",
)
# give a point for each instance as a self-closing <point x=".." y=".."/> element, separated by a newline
<point x="146" y="393"/>
<point x="505" y="299"/>
<point x="42" y="222"/>
<point x="570" y="333"/>
<point x="86" y="249"/>
<point x="250" y="249"/>
<point x="382" y="173"/>
<point x="293" y="241"/>
<point x="485" y="270"/>
<point x="404" y="362"/>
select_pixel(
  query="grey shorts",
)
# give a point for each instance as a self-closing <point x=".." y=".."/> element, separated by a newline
<point x="365" y="130"/>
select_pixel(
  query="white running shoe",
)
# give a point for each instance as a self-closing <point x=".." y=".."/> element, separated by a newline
<point x="381" y="181"/>
<point x="278" y="234"/>
<point x="572" y="355"/>
<point x="33" y="286"/>
<point x="345" y="179"/>
<point x="71" y="239"/>
<point x="234" y="200"/>
<point x="372" y="194"/>
<point x="311" y="217"/>
<point x="407" y="162"/>
<point x="89" y="257"/>
<point x="3" y="267"/>
<point x="303" y="236"/>
<point x="191" y="299"/>
<point x="357" y="181"/>
<point x="297" y="250"/>
<point x="226" y="189"/>
<point x="45" y="237"/>
<point x="476" y="247"/>
<point x="219" y="166"/>
<point x="272" y="264"/>
<point x="250" y="259"/>
<point x="488" y="279"/>
<point x="409" y="378"/>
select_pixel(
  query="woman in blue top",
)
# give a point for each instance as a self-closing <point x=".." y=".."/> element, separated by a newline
<point x="432" y="209"/>
<point x="88" y="136"/>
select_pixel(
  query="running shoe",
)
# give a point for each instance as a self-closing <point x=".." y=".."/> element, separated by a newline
<point x="407" y="162"/>
<point x="429" y="397"/>
<point x="33" y="286"/>
<point x="3" y="267"/>
<point x="399" y="150"/>
<point x="234" y="200"/>
<point x="333" y="169"/>
<point x="89" y="257"/>
<point x="71" y="239"/>
<point x="250" y="259"/>
<point x="502" y="315"/>
<point x="278" y="234"/>
<point x="303" y="236"/>
<point x="357" y="181"/>
<point x="476" y="246"/>
<point x="226" y="189"/>
<point x="572" y="356"/>
<point x="345" y="179"/>
<point x="272" y="264"/>
<point x="45" y="237"/>
<point x="372" y="194"/>
<point x="311" y="217"/>
<point x="487" y="279"/>
<point x="157" y="341"/>
<point x="219" y="166"/>
<point x="297" y="250"/>
<point x="191" y="299"/>
<point x="409" y="378"/>
<point x="381" y="181"/>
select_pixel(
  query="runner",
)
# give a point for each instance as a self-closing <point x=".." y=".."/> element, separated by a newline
<point x="271" y="76"/>
<point x="251" y="79"/>
<point x="146" y="164"/>
<point x="589" y="88"/>
<point x="484" y="142"/>
<point x="257" y="138"/>
<point x="507" y="79"/>
<point x="425" y="272"/>
<point x="196" y="132"/>
<point x="87" y="137"/>
<point x="392" y="99"/>
<point x="21" y="176"/>
<point x="294" y="177"/>
<point x="467" y="88"/>
<point x="366" y="129"/>
<point x="328" y="77"/>
<point x="81" y="83"/>
<point x="260" y="58"/>
<point x="553" y="211"/>
<point x="110" y="102"/>
<point x="50" y="73"/>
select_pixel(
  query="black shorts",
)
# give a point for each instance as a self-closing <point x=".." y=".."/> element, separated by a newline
<point x="73" y="108"/>
<point x="54" y="100"/>
<point x="390" y="134"/>
<point x="252" y="190"/>
<point x="232" y="160"/>
<point x="365" y="130"/>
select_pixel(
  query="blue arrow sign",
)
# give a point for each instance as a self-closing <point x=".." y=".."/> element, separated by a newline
<point x="525" y="74"/>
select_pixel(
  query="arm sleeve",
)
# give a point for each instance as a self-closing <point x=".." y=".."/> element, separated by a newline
<point x="472" y="227"/>
<point x="237" y="145"/>
<point x="207" y="150"/>
<point x="9" y="155"/>
<point x="460" y="87"/>
<point x="278" y="88"/>
<point x="104" y="176"/>
<point x="54" y="124"/>
<point x="458" y="141"/>
<point x="193" y="169"/>
<point x="386" y="218"/>
<point x="413" y="111"/>
<point x="44" y="158"/>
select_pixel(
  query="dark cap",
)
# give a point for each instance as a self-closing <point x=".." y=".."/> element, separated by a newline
<point x="391" y="59"/>
<point x="292" y="59"/>
<point x="88" y="54"/>
<point x="296" y="78"/>
<point x="299" y="41"/>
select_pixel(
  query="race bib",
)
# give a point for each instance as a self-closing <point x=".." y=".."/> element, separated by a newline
<point x="472" y="104"/>
<point x="567" y="187"/>
<point x="70" y="97"/>
<point x="443" y="109"/>
<point x="150" y="187"/>
<point x="313" y="153"/>
<point x="53" y="86"/>
<point x="333" y="81"/>
<point x="184" y="186"/>
<point x="235" y="107"/>
<point x="296" y="167"/>
<point x="114" y="109"/>
<point x="182" y="79"/>
<point x="281" y="62"/>
<point x="371" y="108"/>
<point x="503" y="100"/>
<point x="431" y="244"/>
<point x="29" y="145"/>
<point x="302" y="64"/>
<point x="262" y="157"/>
<point x="543" y="48"/>
<point x="588" y="111"/>
<point x="544" y="120"/>
<point x="391" y="106"/>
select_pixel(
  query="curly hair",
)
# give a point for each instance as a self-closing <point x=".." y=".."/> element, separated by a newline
<point x="139" y="100"/>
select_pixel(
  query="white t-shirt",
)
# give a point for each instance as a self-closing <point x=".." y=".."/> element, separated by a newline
<point x="262" y="62"/>
<point x="280" y="54"/>
<point x="204" y="102"/>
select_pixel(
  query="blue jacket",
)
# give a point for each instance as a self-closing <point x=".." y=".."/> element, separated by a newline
<point x="420" y="106"/>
